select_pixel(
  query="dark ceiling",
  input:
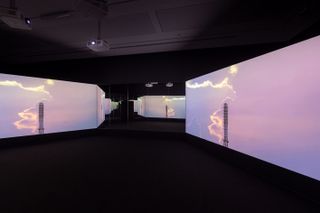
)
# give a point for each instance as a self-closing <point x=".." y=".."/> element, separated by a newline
<point x="61" y="28"/>
<point x="151" y="40"/>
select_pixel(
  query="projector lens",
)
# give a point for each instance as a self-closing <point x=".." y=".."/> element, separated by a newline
<point x="28" y="21"/>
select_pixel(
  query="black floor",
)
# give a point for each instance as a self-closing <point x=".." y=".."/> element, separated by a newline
<point x="148" y="125"/>
<point x="122" y="173"/>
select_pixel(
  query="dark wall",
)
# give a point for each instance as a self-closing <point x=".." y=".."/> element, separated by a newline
<point x="163" y="67"/>
<point x="137" y="90"/>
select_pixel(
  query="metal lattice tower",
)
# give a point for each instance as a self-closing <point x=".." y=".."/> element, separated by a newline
<point x="225" y="125"/>
<point x="41" y="118"/>
<point x="166" y="111"/>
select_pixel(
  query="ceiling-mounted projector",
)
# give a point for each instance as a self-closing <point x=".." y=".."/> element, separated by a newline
<point x="98" y="45"/>
<point x="14" y="19"/>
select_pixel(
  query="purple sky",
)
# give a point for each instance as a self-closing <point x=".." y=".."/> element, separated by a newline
<point x="274" y="106"/>
<point x="155" y="106"/>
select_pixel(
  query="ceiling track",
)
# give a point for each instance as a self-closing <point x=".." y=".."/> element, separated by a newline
<point x="171" y="41"/>
<point x="85" y="50"/>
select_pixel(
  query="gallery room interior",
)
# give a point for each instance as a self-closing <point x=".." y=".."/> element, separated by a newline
<point x="159" y="106"/>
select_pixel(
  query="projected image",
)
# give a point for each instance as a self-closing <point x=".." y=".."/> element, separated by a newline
<point x="101" y="105"/>
<point x="110" y="106"/>
<point x="161" y="106"/>
<point x="32" y="106"/>
<point x="266" y="107"/>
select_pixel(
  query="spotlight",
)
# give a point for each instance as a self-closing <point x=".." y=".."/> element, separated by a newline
<point x="28" y="21"/>
<point x="14" y="18"/>
<point x="169" y="84"/>
<point x="149" y="85"/>
<point x="97" y="45"/>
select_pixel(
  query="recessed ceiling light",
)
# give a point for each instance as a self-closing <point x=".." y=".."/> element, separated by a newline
<point x="28" y="21"/>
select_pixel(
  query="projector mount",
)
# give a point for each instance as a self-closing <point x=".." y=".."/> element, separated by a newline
<point x="103" y="6"/>
<point x="13" y="18"/>
<point x="98" y="44"/>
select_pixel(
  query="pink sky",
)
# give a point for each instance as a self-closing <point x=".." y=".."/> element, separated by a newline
<point x="275" y="111"/>
<point x="155" y="106"/>
<point x="68" y="105"/>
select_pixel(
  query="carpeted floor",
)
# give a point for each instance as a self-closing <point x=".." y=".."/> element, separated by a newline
<point x="144" y="125"/>
<point x="119" y="173"/>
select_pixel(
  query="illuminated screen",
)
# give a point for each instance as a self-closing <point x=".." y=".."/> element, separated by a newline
<point x="161" y="106"/>
<point x="32" y="106"/>
<point x="107" y="106"/>
<point x="101" y="102"/>
<point x="110" y="106"/>
<point x="267" y="107"/>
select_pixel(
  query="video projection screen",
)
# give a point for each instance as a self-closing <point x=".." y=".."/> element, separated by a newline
<point x="161" y="106"/>
<point x="101" y="105"/>
<point x="107" y="106"/>
<point x="110" y="106"/>
<point x="267" y="107"/>
<point x="31" y="106"/>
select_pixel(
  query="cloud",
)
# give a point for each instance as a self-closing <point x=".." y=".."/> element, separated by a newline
<point x="216" y="126"/>
<point x="40" y="89"/>
<point x="28" y="120"/>
<point x="50" y="82"/>
<point x="173" y="99"/>
<point x="223" y="84"/>
<point x="233" y="70"/>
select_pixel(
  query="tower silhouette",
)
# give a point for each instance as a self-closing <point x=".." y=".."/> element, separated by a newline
<point x="166" y="111"/>
<point x="225" y="125"/>
<point x="41" y="118"/>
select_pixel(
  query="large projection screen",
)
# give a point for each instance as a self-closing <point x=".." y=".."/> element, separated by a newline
<point x="161" y="106"/>
<point x="101" y="105"/>
<point x="267" y="107"/>
<point x="31" y="106"/>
